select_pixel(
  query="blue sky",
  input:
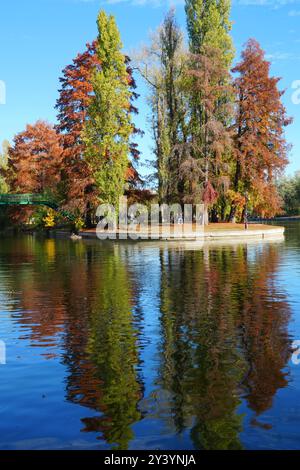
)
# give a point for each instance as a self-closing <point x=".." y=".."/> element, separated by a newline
<point x="40" y="37"/>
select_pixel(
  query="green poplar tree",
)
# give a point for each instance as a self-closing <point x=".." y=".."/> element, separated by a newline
<point x="209" y="24"/>
<point x="109" y="127"/>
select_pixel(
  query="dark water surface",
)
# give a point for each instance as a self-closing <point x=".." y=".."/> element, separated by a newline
<point x="148" y="346"/>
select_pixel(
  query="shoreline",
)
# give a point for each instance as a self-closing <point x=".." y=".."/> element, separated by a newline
<point x="211" y="232"/>
<point x="286" y="218"/>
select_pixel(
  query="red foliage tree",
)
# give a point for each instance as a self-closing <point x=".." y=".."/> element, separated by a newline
<point x="34" y="164"/>
<point x="35" y="159"/>
<point x="72" y="104"/>
<point x="75" y="96"/>
<point x="260" y="148"/>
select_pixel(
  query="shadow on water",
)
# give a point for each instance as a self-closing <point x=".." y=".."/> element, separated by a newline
<point x="162" y="347"/>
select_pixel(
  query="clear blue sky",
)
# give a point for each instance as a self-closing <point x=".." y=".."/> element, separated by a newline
<point x="40" y="37"/>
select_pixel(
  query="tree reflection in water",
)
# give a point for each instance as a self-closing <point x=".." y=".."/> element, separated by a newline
<point x="224" y="327"/>
<point x="110" y="354"/>
<point x="223" y="333"/>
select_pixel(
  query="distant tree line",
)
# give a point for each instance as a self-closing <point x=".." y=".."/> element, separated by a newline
<point x="218" y="132"/>
<point x="289" y="191"/>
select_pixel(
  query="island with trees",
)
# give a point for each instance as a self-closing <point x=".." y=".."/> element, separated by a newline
<point x="218" y="129"/>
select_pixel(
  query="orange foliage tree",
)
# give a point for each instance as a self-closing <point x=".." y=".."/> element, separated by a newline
<point x="260" y="149"/>
<point x="35" y="160"/>
<point x="75" y="94"/>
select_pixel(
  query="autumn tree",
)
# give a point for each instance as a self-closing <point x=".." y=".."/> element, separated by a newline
<point x="80" y="191"/>
<point x="205" y="159"/>
<point x="162" y="66"/>
<point x="109" y="128"/>
<point x="260" y="147"/>
<point x="33" y="165"/>
<point x="34" y="160"/>
<point x="209" y="28"/>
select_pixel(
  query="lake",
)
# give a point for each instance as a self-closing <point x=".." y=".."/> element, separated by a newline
<point x="148" y="345"/>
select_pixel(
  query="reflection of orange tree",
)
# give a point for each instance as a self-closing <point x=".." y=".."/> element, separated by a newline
<point x="264" y="316"/>
<point x="90" y="303"/>
<point x="40" y="291"/>
<point x="81" y="283"/>
<point x="54" y="291"/>
<point x="214" y="342"/>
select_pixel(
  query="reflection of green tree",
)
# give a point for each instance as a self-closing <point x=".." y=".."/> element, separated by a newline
<point x="112" y="348"/>
<point x="86" y="294"/>
<point x="202" y="367"/>
<point x="220" y="318"/>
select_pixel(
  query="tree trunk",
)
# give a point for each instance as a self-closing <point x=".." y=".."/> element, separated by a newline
<point x="88" y="216"/>
<point x="206" y="219"/>
<point x="232" y="215"/>
<point x="214" y="215"/>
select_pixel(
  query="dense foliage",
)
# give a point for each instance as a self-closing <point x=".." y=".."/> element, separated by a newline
<point x="77" y="95"/>
<point x="162" y="65"/>
<point x="34" y="159"/>
<point x="260" y="148"/>
<point x="109" y="127"/>
<point x="289" y="191"/>
<point x="34" y="163"/>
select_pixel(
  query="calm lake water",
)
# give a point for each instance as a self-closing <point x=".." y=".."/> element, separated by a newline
<point x="149" y="346"/>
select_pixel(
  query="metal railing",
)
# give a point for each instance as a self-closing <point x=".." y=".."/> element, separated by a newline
<point x="34" y="200"/>
<point x="24" y="199"/>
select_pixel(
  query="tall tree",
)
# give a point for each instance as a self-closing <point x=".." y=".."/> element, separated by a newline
<point x="260" y="147"/>
<point x="109" y="128"/>
<point x="204" y="168"/>
<point x="209" y="28"/>
<point x="80" y="190"/>
<point x="162" y="65"/>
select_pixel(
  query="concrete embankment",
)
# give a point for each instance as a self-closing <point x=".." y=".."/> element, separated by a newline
<point x="191" y="232"/>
